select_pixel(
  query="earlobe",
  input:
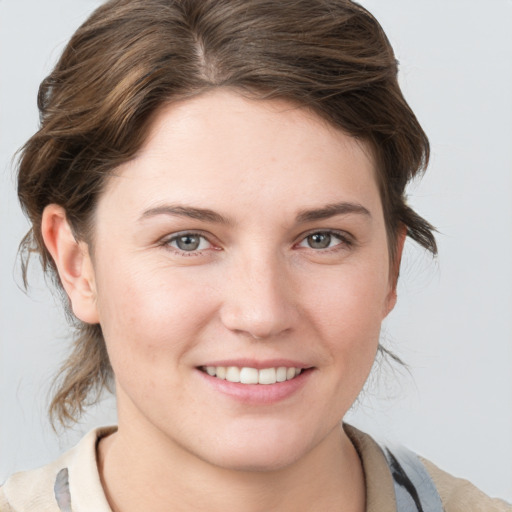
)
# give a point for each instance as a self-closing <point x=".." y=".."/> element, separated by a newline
<point x="73" y="263"/>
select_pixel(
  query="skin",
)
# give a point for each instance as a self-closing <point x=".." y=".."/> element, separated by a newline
<point x="255" y="289"/>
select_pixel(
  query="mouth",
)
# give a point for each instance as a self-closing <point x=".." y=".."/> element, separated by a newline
<point x="248" y="375"/>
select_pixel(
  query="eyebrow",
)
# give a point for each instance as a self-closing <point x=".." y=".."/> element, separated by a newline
<point x="191" y="212"/>
<point x="331" y="210"/>
<point x="207" y="215"/>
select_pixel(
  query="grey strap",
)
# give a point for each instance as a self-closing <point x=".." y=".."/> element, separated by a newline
<point x="61" y="491"/>
<point x="414" y="488"/>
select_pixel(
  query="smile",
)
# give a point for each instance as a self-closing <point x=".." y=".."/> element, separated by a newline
<point x="247" y="375"/>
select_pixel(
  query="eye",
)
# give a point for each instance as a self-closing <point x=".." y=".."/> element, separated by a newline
<point x="189" y="242"/>
<point x="323" y="240"/>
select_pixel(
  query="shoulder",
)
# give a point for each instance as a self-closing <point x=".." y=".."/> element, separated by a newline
<point x="459" y="495"/>
<point x="394" y="476"/>
<point x="32" y="490"/>
<point x="50" y="488"/>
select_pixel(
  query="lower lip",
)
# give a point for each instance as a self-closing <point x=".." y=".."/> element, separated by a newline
<point x="258" y="394"/>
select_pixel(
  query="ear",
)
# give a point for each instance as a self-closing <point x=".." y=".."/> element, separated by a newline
<point x="73" y="263"/>
<point x="395" y="271"/>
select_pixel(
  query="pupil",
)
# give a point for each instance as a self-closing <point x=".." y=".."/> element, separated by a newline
<point x="319" y="240"/>
<point x="188" y="242"/>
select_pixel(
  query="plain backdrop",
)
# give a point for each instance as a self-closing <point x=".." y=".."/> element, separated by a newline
<point x="453" y="321"/>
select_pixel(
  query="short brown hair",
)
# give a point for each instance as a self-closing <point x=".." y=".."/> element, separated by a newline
<point x="132" y="56"/>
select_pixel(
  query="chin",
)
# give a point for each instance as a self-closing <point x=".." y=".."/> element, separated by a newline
<point x="260" y="451"/>
<point x="253" y="462"/>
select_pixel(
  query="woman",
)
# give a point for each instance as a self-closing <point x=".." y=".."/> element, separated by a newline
<point x="219" y="187"/>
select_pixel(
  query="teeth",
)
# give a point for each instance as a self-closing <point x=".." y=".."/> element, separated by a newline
<point x="281" y="374"/>
<point x="233" y="374"/>
<point x="267" y="376"/>
<point x="248" y="375"/>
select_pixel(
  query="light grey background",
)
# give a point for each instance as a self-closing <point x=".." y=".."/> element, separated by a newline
<point x="453" y="321"/>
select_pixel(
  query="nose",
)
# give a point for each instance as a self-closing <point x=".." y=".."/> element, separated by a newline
<point x="259" y="300"/>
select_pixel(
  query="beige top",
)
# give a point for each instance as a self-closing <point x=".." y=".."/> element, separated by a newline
<point x="33" y="491"/>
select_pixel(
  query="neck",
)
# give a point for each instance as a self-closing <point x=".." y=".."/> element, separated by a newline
<point x="141" y="475"/>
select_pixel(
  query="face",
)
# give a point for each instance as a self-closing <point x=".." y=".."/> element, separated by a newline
<point x="245" y="242"/>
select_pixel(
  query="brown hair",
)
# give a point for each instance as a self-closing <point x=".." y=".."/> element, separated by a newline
<point x="132" y="56"/>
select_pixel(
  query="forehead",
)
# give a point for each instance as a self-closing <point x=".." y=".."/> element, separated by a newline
<point x="222" y="146"/>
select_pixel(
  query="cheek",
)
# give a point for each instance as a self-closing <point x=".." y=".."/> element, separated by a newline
<point x="144" y="315"/>
<point x="354" y="300"/>
<point x="347" y="311"/>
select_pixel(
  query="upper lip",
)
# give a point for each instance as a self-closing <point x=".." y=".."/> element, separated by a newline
<point x="258" y="364"/>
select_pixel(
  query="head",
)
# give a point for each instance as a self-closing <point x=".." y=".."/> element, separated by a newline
<point x="133" y="59"/>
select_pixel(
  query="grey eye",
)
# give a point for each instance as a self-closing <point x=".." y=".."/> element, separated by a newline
<point x="189" y="242"/>
<point x="319" y="240"/>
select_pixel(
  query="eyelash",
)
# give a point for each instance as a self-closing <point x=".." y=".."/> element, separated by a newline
<point x="345" y="242"/>
<point x="166" y="243"/>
